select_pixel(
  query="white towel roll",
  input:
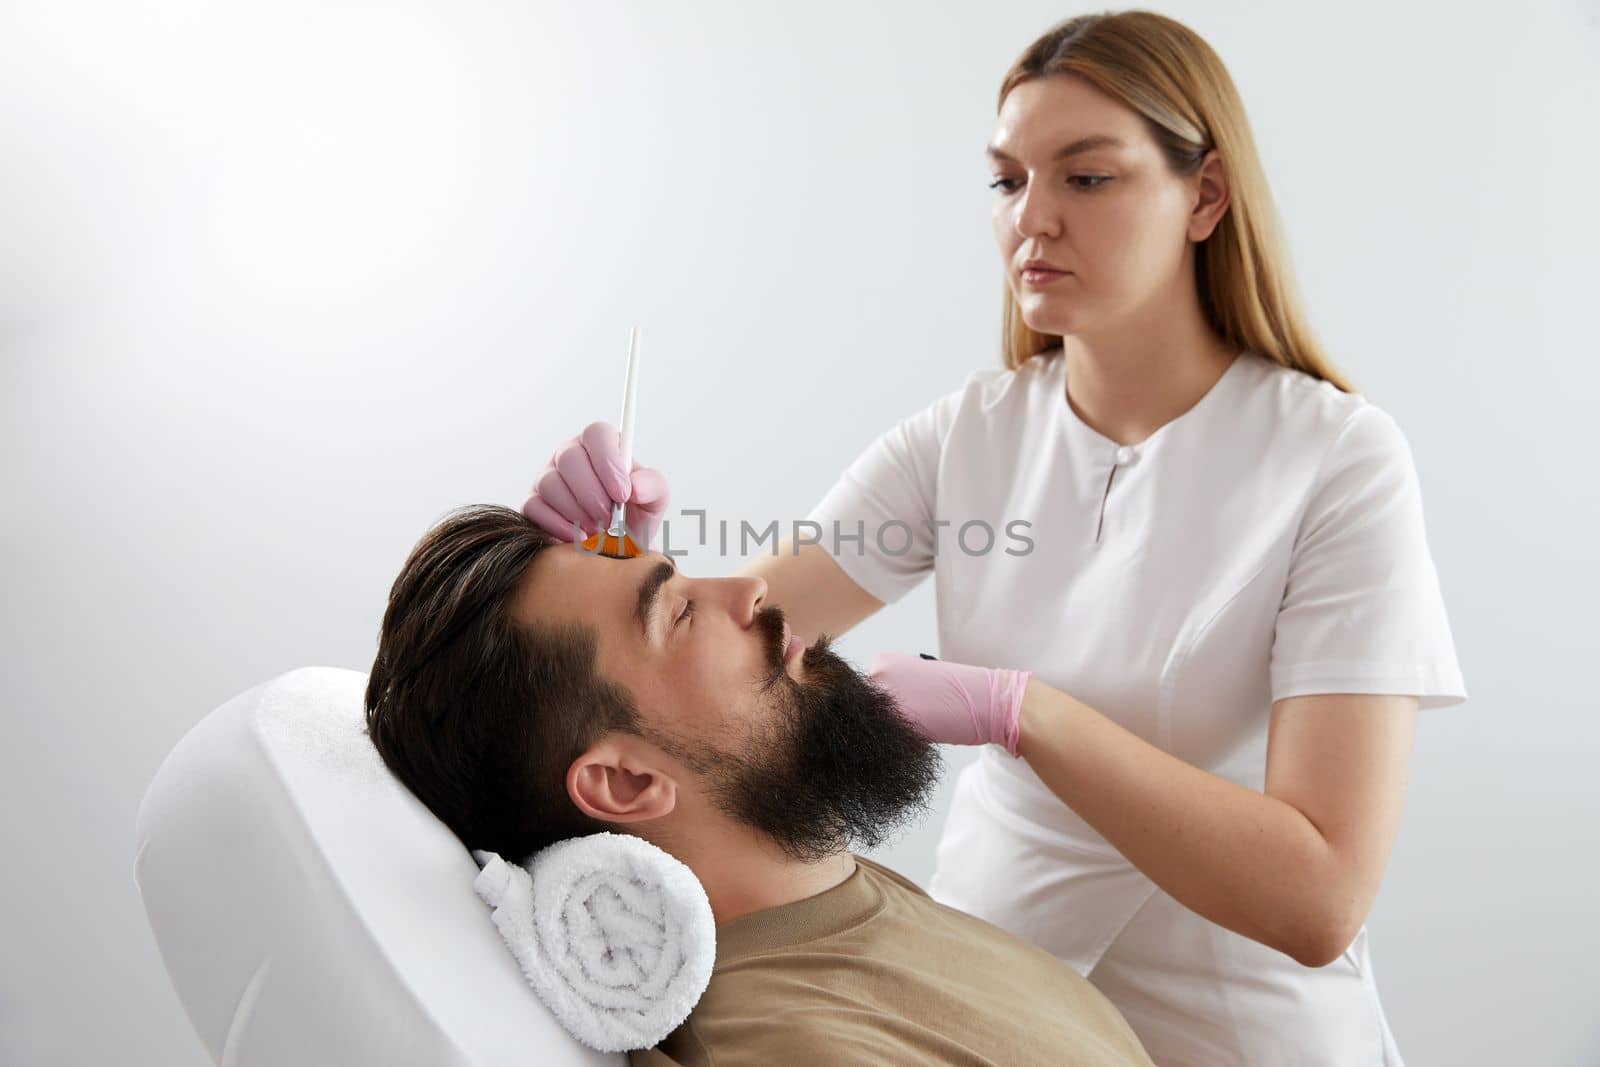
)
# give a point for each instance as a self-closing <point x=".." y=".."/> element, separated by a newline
<point x="615" y="935"/>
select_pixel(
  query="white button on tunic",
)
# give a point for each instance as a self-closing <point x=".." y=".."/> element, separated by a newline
<point x="1269" y="542"/>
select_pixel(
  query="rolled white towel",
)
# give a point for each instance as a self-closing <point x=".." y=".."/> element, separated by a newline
<point x="615" y="935"/>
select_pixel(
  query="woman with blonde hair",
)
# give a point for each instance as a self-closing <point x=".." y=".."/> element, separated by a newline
<point x="1196" y="665"/>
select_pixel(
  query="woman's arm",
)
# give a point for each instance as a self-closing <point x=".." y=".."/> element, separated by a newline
<point x="1295" y="868"/>
<point x="815" y="593"/>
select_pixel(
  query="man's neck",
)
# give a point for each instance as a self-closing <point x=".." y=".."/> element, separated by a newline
<point x="743" y="872"/>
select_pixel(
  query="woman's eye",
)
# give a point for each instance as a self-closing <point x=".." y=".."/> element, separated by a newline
<point x="1091" y="182"/>
<point x="688" y="610"/>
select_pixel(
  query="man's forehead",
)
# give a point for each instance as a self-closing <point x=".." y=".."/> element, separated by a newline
<point x="570" y="555"/>
<point x="568" y="582"/>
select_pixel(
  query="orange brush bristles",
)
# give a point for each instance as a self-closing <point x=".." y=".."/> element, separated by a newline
<point x="608" y="544"/>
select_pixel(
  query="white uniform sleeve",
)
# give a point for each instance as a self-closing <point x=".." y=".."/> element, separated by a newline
<point x="1362" y="610"/>
<point x="888" y="496"/>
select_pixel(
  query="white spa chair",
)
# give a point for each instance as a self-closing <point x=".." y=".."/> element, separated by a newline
<point x="312" y="912"/>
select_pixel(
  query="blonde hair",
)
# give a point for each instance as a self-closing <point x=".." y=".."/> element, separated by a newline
<point x="1172" y="78"/>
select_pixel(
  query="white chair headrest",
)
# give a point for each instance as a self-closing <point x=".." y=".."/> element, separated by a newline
<point x="311" y="910"/>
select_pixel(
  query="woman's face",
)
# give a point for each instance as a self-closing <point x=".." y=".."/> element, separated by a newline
<point x="1079" y="184"/>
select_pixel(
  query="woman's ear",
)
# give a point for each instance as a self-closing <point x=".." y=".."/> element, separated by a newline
<point x="1212" y="197"/>
<point x="612" y="784"/>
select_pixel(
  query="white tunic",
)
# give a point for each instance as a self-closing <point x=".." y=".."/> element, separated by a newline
<point x="1267" y="543"/>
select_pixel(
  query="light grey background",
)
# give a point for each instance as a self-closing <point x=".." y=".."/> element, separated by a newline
<point x="281" y="283"/>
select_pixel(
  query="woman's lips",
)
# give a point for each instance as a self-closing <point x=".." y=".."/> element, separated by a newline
<point x="1040" y="276"/>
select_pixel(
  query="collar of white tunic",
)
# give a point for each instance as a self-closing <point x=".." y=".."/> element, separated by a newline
<point x="1088" y="441"/>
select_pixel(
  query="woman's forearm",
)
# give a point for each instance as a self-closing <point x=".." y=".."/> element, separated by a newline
<point x="1246" y="861"/>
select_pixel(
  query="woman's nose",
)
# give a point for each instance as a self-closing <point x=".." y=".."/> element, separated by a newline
<point x="1034" y="213"/>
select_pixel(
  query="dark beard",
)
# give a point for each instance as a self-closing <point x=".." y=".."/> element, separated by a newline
<point x="835" y="764"/>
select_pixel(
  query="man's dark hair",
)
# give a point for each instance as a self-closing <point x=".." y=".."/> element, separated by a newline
<point x="478" y="714"/>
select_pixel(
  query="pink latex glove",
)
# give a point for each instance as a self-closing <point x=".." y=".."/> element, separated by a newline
<point x="583" y="478"/>
<point x="954" y="703"/>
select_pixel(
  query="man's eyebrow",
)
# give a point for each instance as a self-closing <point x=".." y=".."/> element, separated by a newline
<point x="1082" y="144"/>
<point x="650" y="591"/>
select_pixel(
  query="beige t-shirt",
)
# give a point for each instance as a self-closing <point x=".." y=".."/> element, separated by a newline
<point x="875" y="972"/>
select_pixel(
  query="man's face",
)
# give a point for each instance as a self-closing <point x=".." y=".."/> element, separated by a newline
<point x="794" y="743"/>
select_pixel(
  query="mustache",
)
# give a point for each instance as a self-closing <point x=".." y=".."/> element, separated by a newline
<point x="769" y="622"/>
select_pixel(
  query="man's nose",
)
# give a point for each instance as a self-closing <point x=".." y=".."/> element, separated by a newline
<point x="745" y="595"/>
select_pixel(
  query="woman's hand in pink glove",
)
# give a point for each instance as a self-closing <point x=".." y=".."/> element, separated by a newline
<point x="583" y="478"/>
<point x="954" y="703"/>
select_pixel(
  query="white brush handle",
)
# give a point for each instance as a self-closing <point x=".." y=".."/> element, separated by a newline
<point x="630" y="392"/>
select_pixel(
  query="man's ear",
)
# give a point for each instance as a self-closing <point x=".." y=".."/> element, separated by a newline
<point x="613" y="783"/>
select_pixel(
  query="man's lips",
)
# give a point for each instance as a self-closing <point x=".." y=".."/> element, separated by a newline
<point x="792" y="645"/>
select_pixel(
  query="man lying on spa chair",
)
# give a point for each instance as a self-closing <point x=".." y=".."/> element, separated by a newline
<point x="529" y="691"/>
